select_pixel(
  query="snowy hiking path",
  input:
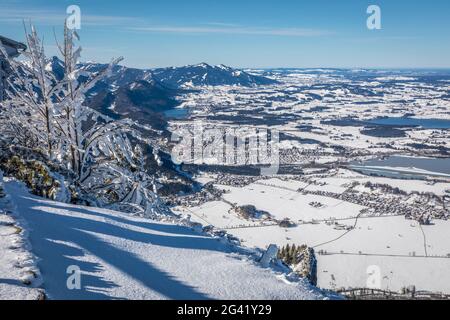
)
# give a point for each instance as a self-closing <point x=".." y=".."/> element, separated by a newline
<point x="123" y="257"/>
<point x="17" y="264"/>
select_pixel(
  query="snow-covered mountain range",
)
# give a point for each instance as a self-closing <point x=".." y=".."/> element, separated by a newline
<point x="204" y="74"/>
<point x="145" y="94"/>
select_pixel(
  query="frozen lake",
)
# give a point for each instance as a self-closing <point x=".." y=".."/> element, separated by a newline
<point x="424" y="123"/>
<point x="397" y="166"/>
<point x="178" y="113"/>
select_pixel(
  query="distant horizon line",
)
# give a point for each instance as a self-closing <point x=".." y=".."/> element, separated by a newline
<point x="271" y="68"/>
<point x="280" y="68"/>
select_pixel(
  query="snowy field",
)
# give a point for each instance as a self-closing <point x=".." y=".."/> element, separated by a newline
<point x="405" y="252"/>
<point x="290" y="204"/>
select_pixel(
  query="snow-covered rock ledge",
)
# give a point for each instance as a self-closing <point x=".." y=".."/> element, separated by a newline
<point x="125" y="257"/>
<point x="19" y="275"/>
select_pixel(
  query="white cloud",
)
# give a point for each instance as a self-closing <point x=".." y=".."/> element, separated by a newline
<point x="13" y="14"/>
<point x="47" y="17"/>
<point x="238" y="30"/>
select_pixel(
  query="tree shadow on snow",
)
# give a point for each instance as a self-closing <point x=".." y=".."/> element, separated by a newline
<point x="60" y="241"/>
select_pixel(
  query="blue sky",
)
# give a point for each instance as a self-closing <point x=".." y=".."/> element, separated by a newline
<point x="246" y="33"/>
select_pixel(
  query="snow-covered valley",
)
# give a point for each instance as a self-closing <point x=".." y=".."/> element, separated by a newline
<point x="363" y="172"/>
<point x="347" y="243"/>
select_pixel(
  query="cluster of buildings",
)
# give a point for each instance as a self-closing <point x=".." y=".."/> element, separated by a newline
<point x="387" y="205"/>
<point x="206" y="194"/>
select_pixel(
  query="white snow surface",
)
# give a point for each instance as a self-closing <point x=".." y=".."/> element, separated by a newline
<point x="19" y="275"/>
<point x="124" y="257"/>
<point x="17" y="265"/>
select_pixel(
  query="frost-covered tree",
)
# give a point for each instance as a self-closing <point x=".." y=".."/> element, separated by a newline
<point x="135" y="189"/>
<point x="48" y="109"/>
<point x="29" y="106"/>
<point x="83" y="129"/>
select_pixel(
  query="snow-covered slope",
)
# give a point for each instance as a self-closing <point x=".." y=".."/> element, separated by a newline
<point x="125" y="257"/>
<point x="19" y="275"/>
<point x="16" y="263"/>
